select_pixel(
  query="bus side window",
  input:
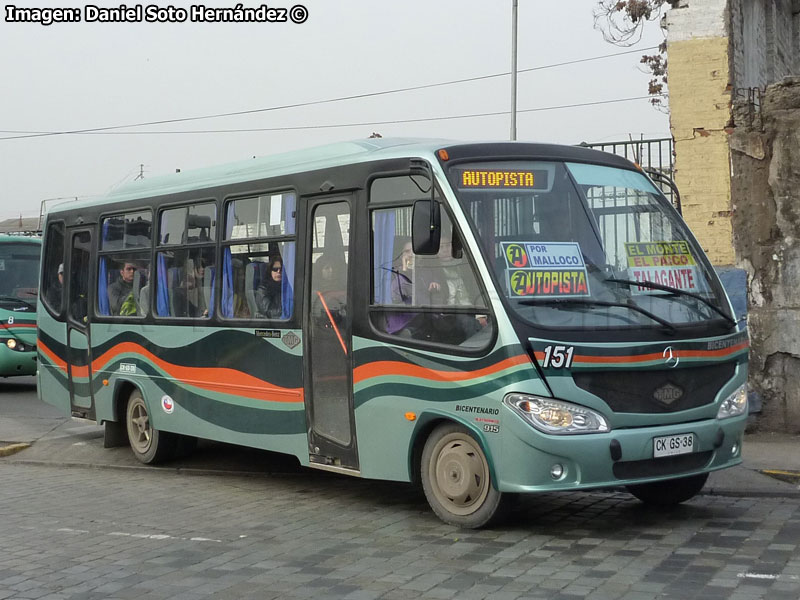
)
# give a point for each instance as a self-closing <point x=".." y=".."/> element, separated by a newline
<point x="53" y="268"/>
<point x="124" y="263"/>
<point x="185" y="283"/>
<point x="418" y="284"/>
<point x="258" y="257"/>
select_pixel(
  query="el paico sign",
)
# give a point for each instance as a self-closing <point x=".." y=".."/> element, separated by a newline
<point x="664" y="263"/>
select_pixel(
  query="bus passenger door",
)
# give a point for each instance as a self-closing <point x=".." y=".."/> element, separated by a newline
<point x="329" y="387"/>
<point x="79" y="364"/>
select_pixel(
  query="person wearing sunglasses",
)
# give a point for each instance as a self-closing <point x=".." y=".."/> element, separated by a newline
<point x="268" y="295"/>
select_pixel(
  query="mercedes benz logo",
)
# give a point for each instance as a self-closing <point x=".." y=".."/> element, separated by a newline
<point x="669" y="357"/>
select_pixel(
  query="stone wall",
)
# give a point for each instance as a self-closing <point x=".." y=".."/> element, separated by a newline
<point x="765" y="186"/>
<point x="765" y="41"/>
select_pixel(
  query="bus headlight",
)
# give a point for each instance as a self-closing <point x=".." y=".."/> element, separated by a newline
<point x="16" y="345"/>
<point x="556" y="416"/>
<point x="735" y="404"/>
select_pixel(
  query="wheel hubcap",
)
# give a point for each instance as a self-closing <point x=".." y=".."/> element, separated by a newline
<point x="139" y="428"/>
<point x="461" y="475"/>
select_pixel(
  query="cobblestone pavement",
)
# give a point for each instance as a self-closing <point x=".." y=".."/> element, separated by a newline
<point x="88" y="533"/>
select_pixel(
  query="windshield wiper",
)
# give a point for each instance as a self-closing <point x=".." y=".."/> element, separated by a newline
<point x="17" y="300"/>
<point x="586" y="302"/>
<point x="673" y="290"/>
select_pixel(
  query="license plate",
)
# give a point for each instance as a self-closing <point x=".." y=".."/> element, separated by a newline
<point x="670" y="445"/>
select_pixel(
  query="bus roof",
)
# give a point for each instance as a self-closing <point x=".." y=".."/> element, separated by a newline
<point x="25" y="239"/>
<point x="334" y="155"/>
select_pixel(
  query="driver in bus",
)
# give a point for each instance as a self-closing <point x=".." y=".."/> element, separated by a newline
<point x="55" y="291"/>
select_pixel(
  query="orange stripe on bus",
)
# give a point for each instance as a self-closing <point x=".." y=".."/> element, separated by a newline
<point x="54" y="358"/>
<point x="403" y="369"/>
<point x="226" y="380"/>
<point x="211" y="378"/>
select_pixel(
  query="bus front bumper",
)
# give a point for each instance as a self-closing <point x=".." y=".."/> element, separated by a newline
<point x="535" y="462"/>
<point x="14" y="362"/>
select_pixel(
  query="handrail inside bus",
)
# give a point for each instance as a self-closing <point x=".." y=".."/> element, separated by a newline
<point x="330" y="318"/>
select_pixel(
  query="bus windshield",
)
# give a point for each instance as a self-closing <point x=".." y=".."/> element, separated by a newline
<point x="19" y="271"/>
<point x="579" y="246"/>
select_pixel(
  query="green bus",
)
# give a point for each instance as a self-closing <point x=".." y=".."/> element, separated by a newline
<point x="19" y="294"/>
<point x="485" y="319"/>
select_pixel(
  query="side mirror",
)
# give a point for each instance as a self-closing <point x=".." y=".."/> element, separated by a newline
<point x="426" y="227"/>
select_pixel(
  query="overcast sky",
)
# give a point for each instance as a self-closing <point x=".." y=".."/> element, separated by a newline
<point x="75" y="76"/>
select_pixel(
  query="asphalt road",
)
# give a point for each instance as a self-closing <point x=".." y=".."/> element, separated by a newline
<point x="81" y="522"/>
<point x="22" y="416"/>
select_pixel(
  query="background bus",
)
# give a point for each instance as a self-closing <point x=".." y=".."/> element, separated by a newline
<point x="19" y="295"/>
<point x="487" y="319"/>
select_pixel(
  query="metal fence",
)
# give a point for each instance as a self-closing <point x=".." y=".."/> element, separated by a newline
<point x="656" y="156"/>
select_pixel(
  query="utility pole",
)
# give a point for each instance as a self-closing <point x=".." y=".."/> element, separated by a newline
<point x="514" y="10"/>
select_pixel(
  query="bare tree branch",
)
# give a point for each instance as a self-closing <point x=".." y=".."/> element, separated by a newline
<point x="622" y="22"/>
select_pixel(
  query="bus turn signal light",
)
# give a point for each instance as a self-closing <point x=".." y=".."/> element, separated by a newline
<point x="410" y="416"/>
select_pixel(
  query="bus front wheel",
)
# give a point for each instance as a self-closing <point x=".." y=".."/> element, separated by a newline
<point x="669" y="492"/>
<point x="456" y="480"/>
<point x="149" y="445"/>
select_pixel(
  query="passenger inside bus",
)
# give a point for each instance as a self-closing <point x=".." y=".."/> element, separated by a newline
<point x="268" y="294"/>
<point x="120" y="293"/>
<point x="188" y="296"/>
<point x="240" y="308"/>
<point x="329" y="300"/>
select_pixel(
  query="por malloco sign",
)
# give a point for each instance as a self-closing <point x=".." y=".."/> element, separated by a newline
<point x="545" y="269"/>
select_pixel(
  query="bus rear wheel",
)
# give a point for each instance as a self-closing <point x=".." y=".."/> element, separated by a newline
<point x="149" y="445"/>
<point x="456" y="479"/>
<point x="669" y="492"/>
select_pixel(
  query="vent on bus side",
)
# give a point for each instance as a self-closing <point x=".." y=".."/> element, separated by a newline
<point x="662" y="391"/>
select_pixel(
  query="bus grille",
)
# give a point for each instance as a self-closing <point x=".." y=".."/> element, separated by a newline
<point x="662" y="391"/>
<point x="655" y="467"/>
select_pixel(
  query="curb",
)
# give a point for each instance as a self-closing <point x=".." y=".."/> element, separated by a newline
<point x="177" y="470"/>
<point x="12" y="449"/>
<point x="792" y="477"/>
<point x="732" y="493"/>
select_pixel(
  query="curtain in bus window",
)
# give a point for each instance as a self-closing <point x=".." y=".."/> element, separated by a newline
<point x="210" y="297"/>
<point x="227" y="284"/>
<point x="103" y="307"/>
<point x="102" y="279"/>
<point x="227" y="267"/>
<point x="287" y="294"/>
<point x="162" y="293"/>
<point x="384" y="255"/>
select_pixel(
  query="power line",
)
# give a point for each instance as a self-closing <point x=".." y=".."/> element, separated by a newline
<point x="363" y="123"/>
<point x="34" y="134"/>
